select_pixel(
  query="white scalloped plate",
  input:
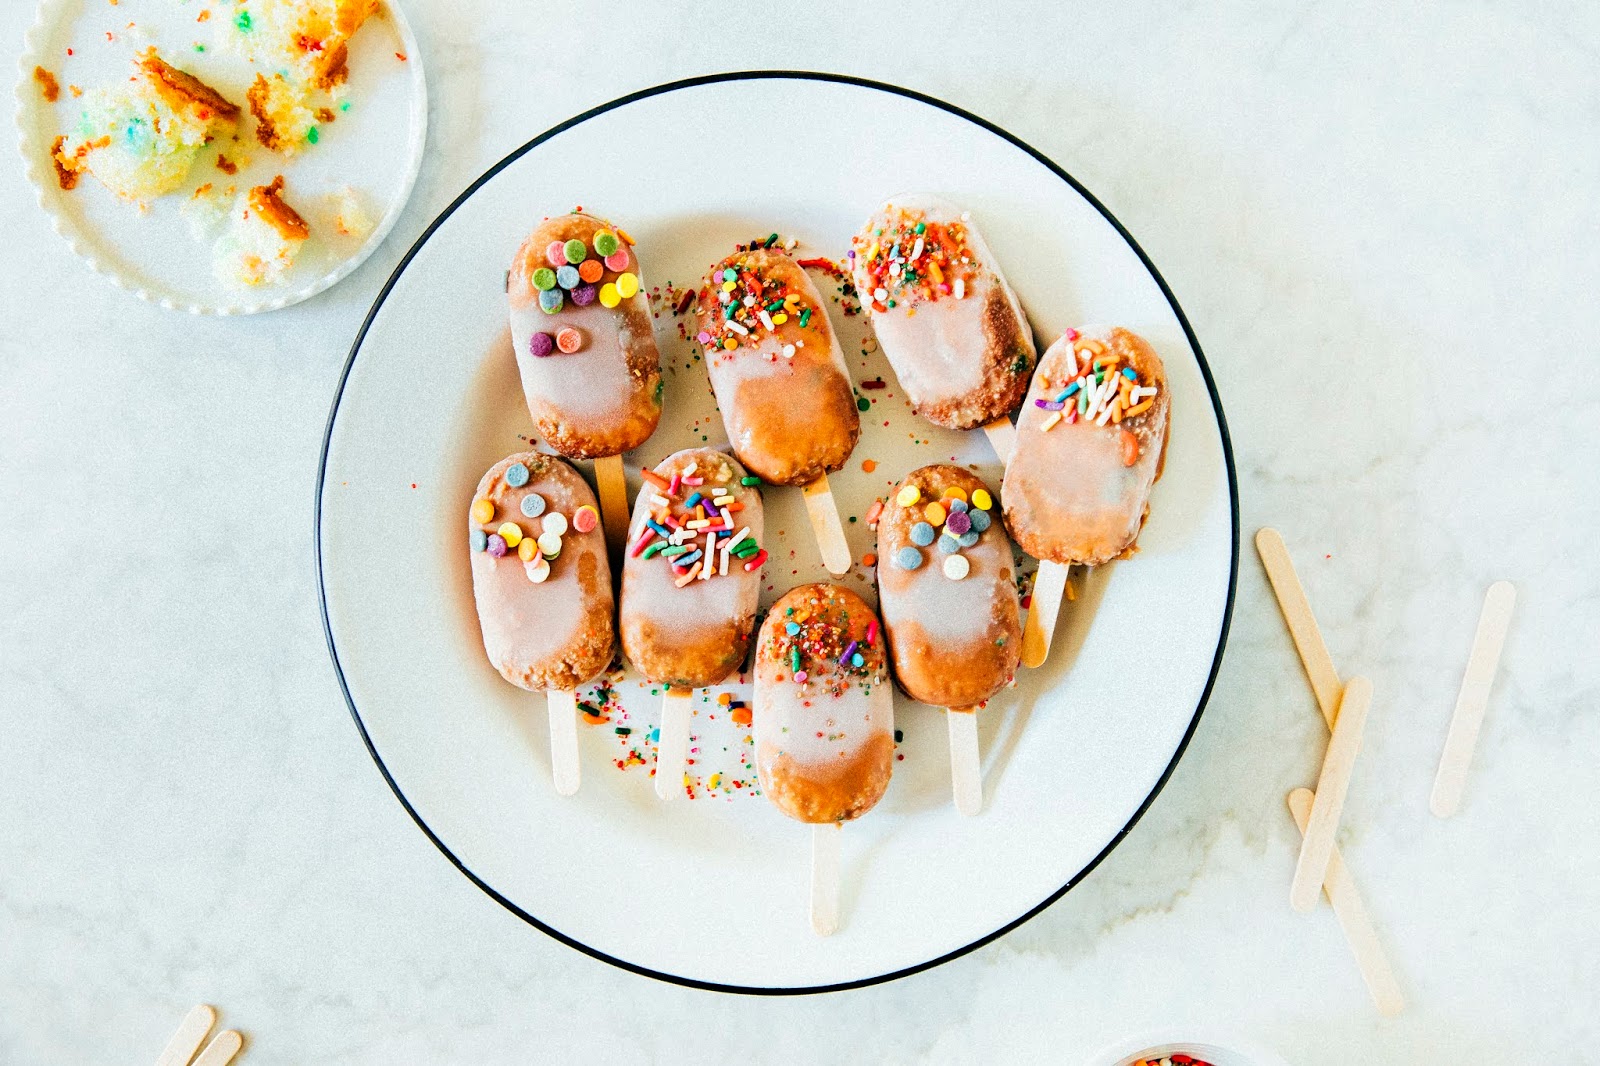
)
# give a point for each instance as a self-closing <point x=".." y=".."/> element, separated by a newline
<point x="712" y="891"/>
<point x="375" y="147"/>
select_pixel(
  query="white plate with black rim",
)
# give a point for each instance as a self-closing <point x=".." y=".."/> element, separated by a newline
<point x="712" y="892"/>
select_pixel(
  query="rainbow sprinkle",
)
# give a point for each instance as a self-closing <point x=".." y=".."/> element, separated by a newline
<point x="911" y="259"/>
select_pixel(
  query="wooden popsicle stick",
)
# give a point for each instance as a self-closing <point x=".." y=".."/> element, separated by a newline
<point x="223" y="1047"/>
<point x="188" y="1037"/>
<point x="966" y="766"/>
<point x="1048" y="585"/>
<point x="564" y="765"/>
<point x="1002" y="437"/>
<point x="826" y="525"/>
<point x="1302" y="623"/>
<point x="1353" y="919"/>
<point x="825" y="878"/>
<point x="1473" y="699"/>
<point x="672" y="751"/>
<point x="611" y="486"/>
<point x="1332" y="786"/>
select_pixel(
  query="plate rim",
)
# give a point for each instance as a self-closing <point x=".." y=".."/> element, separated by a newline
<point x="838" y="79"/>
<point x="72" y="233"/>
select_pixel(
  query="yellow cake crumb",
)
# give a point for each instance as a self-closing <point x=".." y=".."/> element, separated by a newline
<point x="263" y="238"/>
<point x="140" y="137"/>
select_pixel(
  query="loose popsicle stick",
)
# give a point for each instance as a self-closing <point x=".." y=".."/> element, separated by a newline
<point x="1352" y="915"/>
<point x="1302" y="623"/>
<point x="223" y="1047"/>
<point x="1002" y="437"/>
<point x="188" y="1037"/>
<point x="611" y="486"/>
<point x="1048" y="585"/>
<point x="1332" y="786"/>
<point x="825" y="878"/>
<point x="672" y="752"/>
<point x="966" y="767"/>
<point x="1473" y="699"/>
<point x="825" y="524"/>
<point x="564" y="741"/>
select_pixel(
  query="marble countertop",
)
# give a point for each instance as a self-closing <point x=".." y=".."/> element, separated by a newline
<point x="1382" y="225"/>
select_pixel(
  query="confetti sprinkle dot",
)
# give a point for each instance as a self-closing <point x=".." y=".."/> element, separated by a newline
<point x="585" y="518"/>
<point x="555" y="253"/>
<point x="956" y="567"/>
<point x="496" y="545"/>
<point x="576" y="251"/>
<point x="528" y="550"/>
<point x="511" y="533"/>
<point x="541" y="344"/>
<point x="958" y="523"/>
<point x="922" y="534"/>
<point x="627" y="285"/>
<point x="980" y="520"/>
<point x="550" y="301"/>
<point x="1130" y="448"/>
<point x="934" y="513"/>
<point x="584" y="295"/>
<point x="981" y="499"/>
<point x="606" y="243"/>
<point x="533" y="505"/>
<point x="569" y="340"/>
<point x="908" y="558"/>
<point x="555" y="522"/>
<point x="483" y="511"/>
<point x="955" y="492"/>
<point x="609" y="296"/>
<point x="537" y="569"/>
<point x="968" y="539"/>
<point x="949" y="545"/>
<point x="516" y="475"/>
<point x="544" y="279"/>
<point x="908" y="496"/>
<point x="957" y="505"/>
<point x="479" y="540"/>
<point x="618" y="260"/>
<point x="567" y="277"/>
<point x="591" y="270"/>
<point x="549" y="544"/>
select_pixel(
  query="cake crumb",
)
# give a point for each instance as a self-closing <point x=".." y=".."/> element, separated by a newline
<point x="351" y="218"/>
<point x="47" y="84"/>
<point x="226" y="165"/>
<point x="66" y="170"/>
<point x="268" y="203"/>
